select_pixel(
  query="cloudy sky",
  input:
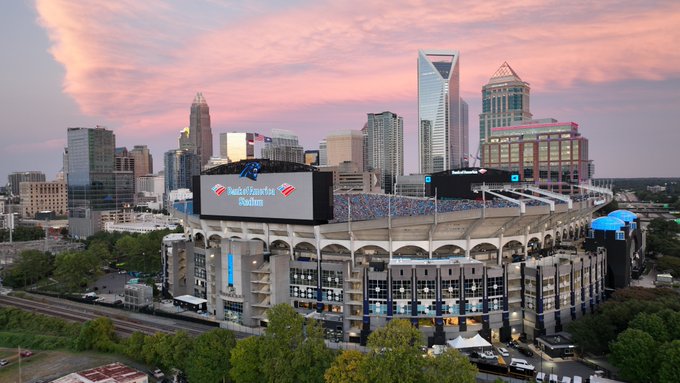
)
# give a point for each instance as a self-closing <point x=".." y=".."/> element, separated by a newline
<point x="318" y="66"/>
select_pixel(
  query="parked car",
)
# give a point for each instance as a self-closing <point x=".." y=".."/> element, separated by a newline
<point x="3" y="362"/>
<point x="521" y="364"/>
<point x="475" y="354"/>
<point x="540" y="377"/>
<point x="488" y="355"/>
<point x="513" y="344"/>
<point x="525" y="351"/>
<point x="502" y="351"/>
<point x="157" y="373"/>
<point x="26" y="353"/>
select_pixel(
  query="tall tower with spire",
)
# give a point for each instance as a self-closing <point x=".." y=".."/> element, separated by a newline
<point x="505" y="101"/>
<point x="197" y="138"/>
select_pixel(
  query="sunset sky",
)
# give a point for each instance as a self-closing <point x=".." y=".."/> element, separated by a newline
<point x="317" y="66"/>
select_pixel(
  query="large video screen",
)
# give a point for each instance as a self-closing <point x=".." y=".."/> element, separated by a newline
<point x="266" y="197"/>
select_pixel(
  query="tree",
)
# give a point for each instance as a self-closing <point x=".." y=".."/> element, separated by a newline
<point x="669" y="371"/>
<point x="449" y="367"/>
<point x="134" y="345"/>
<point x="634" y="353"/>
<point x="153" y="349"/>
<point x="394" y="354"/>
<point x="97" y="334"/>
<point x="30" y="267"/>
<point x="293" y="349"/>
<point x="74" y="270"/>
<point x="652" y="324"/>
<point x="245" y="361"/>
<point x="209" y="361"/>
<point x="100" y="249"/>
<point x="346" y="368"/>
<point x="173" y="350"/>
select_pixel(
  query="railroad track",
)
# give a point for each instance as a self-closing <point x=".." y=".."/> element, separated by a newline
<point x="81" y="313"/>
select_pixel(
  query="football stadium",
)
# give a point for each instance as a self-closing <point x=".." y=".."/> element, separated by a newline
<point x="505" y="264"/>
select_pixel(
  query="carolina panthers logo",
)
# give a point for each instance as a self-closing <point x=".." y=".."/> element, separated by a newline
<point x="251" y="170"/>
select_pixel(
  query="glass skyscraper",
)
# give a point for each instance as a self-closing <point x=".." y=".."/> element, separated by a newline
<point x="385" y="147"/>
<point x="90" y="178"/>
<point x="505" y="102"/>
<point x="441" y="136"/>
<point x="180" y="167"/>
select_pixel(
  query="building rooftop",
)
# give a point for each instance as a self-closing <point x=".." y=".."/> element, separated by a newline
<point x="607" y="223"/>
<point x="110" y="373"/>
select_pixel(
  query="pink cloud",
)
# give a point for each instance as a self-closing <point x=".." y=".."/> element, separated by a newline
<point x="139" y="63"/>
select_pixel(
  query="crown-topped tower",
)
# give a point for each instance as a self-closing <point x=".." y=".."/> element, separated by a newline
<point x="505" y="101"/>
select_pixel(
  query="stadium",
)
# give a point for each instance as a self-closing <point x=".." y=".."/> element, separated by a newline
<point x="259" y="233"/>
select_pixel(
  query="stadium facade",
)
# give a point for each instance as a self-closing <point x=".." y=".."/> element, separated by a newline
<point x="358" y="260"/>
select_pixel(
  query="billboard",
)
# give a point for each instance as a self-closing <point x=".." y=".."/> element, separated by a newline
<point x="301" y="197"/>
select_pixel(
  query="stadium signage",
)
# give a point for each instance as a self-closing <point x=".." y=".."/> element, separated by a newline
<point x="466" y="172"/>
<point x="249" y="191"/>
<point x="273" y="197"/>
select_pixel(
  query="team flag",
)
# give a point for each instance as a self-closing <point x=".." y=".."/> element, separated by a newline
<point x="259" y="137"/>
<point x="286" y="189"/>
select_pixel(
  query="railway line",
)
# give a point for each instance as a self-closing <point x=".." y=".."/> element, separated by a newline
<point x="122" y="322"/>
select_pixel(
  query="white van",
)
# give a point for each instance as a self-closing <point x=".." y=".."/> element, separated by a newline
<point x="566" y="379"/>
<point x="540" y="377"/>
<point x="553" y="379"/>
<point x="577" y="379"/>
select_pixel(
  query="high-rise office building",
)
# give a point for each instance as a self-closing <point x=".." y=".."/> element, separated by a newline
<point x="198" y="136"/>
<point x="323" y="153"/>
<point x="237" y="146"/>
<point x="505" y="101"/>
<point x="345" y="145"/>
<point x="552" y="154"/>
<point x="90" y="178"/>
<point x="441" y="135"/>
<point x="180" y="167"/>
<point x="15" y="179"/>
<point x="385" y="147"/>
<point x="284" y="146"/>
<point x="143" y="160"/>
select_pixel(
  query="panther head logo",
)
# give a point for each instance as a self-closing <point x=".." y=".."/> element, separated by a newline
<point x="251" y="170"/>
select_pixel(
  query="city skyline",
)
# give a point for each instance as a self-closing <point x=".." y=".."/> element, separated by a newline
<point x="610" y="67"/>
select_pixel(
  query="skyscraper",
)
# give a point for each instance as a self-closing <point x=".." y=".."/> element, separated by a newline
<point x="284" y="146"/>
<point x="385" y="147"/>
<point x="323" y="153"/>
<point x="198" y="136"/>
<point x="505" y="101"/>
<point x="17" y="178"/>
<point x="345" y="145"/>
<point x="237" y="146"/>
<point x="143" y="160"/>
<point x="441" y="135"/>
<point x="90" y="178"/>
<point x="180" y="167"/>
